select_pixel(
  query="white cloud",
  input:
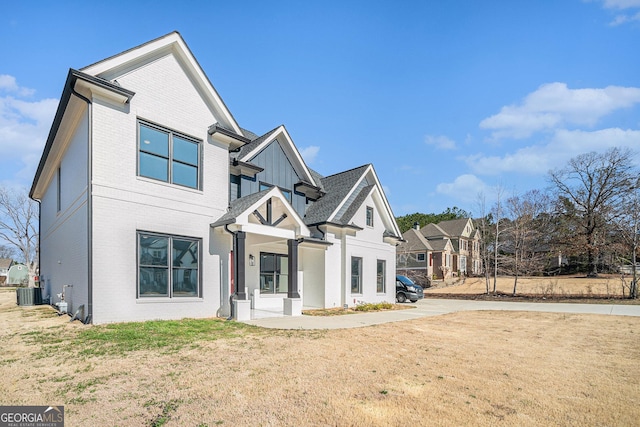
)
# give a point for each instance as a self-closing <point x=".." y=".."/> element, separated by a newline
<point x="623" y="19"/>
<point x="24" y="126"/>
<point x="564" y="145"/>
<point x="621" y="4"/>
<point x="464" y="188"/>
<point x="309" y="153"/>
<point x="441" y="142"/>
<point x="8" y="84"/>
<point x="554" y="105"/>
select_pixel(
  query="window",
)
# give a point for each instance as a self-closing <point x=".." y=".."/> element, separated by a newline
<point x="356" y="275"/>
<point x="369" y="216"/>
<point x="168" y="266"/>
<point x="421" y="257"/>
<point x="168" y="156"/>
<point x="274" y="273"/>
<point x="380" y="279"/>
<point x="287" y="193"/>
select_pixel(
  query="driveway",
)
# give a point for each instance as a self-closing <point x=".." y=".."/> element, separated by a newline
<point x="436" y="307"/>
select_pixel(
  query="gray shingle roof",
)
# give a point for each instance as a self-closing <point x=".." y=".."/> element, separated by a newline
<point x="414" y="241"/>
<point x="355" y="205"/>
<point x="454" y="227"/>
<point x="238" y="206"/>
<point x="433" y="230"/>
<point x="336" y="187"/>
<point x="247" y="148"/>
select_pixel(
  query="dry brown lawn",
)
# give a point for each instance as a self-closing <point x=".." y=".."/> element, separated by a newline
<point x="467" y="368"/>
<point x="607" y="285"/>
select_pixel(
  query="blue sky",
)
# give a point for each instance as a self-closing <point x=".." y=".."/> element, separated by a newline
<point x="447" y="99"/>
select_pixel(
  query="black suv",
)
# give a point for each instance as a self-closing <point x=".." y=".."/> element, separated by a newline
<point x="407" y="290"/>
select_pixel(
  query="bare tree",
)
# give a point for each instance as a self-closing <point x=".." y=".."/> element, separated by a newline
<point x="498" y="212"/>
<point x="628" y="227"/>
<point x="6" y="252"/>
<point x="527" y="214"/>
<point x="589" y="188"/>
<point x="483" y="224"/>
<point x="19" y="226"/>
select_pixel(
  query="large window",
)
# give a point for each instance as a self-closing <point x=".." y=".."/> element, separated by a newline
<point x="380" y="279"/>
<point x="168" y="266"/>
<point x="274" y="277"/>
<point x="168" y="156"/>
<point x="356" y="275"/>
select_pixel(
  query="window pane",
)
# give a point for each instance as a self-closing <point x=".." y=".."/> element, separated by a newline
<point x="267" y="263"/>
<point x="153" y="250"/>
<point x="153" y="282"/>
<point x="282" y="285"/>
<point x="266" y="283"/>
<point x="185" y="282"/>
<point x="185" y="175"/>
<point x="154" y="141"/>
<point x="185" y="253"/>
<point x="185" y="151"/>
<point x="264" y="186"/>
<point x="356" y="264"/>
<point x="287" y="194"/>
<point x="153" y="166"/>
<point x="380" y="284"/>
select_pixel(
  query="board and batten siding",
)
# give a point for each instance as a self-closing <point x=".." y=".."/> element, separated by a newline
<point x="277" y="171"/>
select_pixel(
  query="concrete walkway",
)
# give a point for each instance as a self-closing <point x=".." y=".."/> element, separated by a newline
<point x="436" y="307"/>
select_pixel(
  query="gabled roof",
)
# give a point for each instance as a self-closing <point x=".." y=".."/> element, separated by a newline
<point x="247" y="152"/>
<point x="345" y="194"/>
<point x="431" y="231"/>
<point x="439" y="245"/>
<point x="455" y="227"/>
<point x="337" y="187"/>
<point x="172" y="43"/>
<point x="414" y="241"/>
<point x="241" y="214"/>
<point x="5" y="263"/>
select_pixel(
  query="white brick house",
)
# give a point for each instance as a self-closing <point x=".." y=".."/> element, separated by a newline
<point x="156" y="204"/>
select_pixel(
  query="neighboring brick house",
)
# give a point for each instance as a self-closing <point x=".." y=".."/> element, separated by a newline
<point x="156" y="204"/>
<point x="439" y="251"/>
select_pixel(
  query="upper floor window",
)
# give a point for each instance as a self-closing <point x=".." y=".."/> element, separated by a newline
<point x="421" y="257"/>
<point x="286" y="193"/>
<point x="369" y="216"/>
<point x="168" y="156"/>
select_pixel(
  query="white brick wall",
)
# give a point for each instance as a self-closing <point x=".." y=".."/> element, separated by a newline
<point x="124" y="203"/>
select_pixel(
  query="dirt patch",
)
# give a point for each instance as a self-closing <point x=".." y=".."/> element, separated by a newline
<point x="467" y="368"/>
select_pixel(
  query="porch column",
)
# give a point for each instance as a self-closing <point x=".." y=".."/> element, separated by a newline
<point x="292" y="245"/>
<point x="239" y="252"/>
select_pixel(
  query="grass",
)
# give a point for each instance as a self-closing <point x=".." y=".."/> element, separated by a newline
<point x="159" y="335"/>
<point x="468" y="368"/>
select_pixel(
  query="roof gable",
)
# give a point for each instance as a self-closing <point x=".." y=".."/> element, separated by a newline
<point x="170" y="44"/>
<point x="255" y="147"/>
<point x="462" y="227"/>
<point x="253" y="211"/>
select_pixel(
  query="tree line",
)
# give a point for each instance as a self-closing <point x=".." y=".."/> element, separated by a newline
<point x="586" y="221"/>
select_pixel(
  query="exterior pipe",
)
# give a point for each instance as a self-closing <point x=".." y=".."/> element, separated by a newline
<point x="233" y="235"/>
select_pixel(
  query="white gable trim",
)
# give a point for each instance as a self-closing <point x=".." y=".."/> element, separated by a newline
<point x="391" y="223"/>
<point x="289" y="148"/>
<point x="170" y="44"/>
<point x="243" y="222"/>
